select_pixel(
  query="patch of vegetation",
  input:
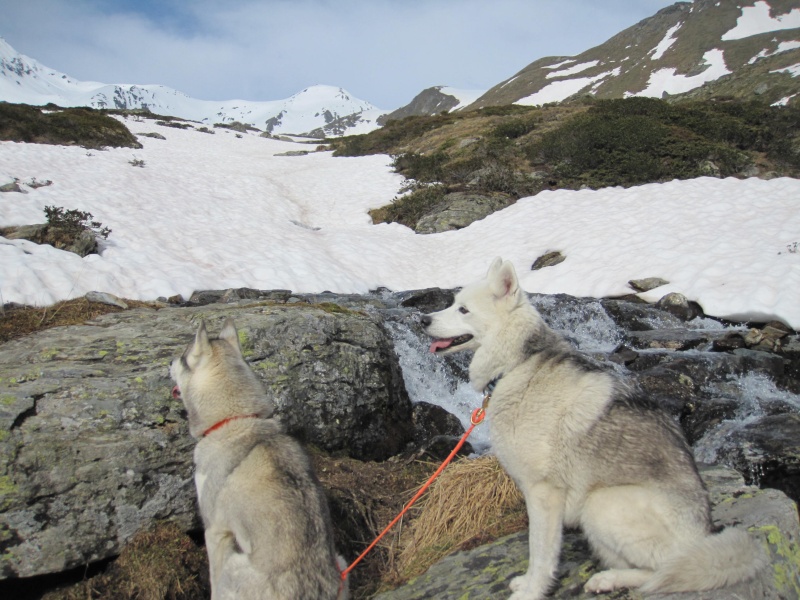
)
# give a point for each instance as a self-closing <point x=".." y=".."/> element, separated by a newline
<point x="520" y="151"/>
<point x="641" y="140"/>
<point x="19" y="321"/>
<point x="74" y="222"/>
<point x="174" y="123"/>
<point x="159" y="564"/>
<point x="427" y="168"/>
<point x="441" y="526"/>
<point x="237" y="126"/>
<point x="512" y="129"/>
<point x="68" y="126"/>
<point x="389" y="138"/>
<point x="364" y="497"/>
<point x="410" y="208"/>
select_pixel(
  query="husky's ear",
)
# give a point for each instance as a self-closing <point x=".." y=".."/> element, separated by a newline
<point x="495" y="267"/>
<point x="201" y="344"/>
<point x="229" y="334"/>
<point x="503" y="279"/>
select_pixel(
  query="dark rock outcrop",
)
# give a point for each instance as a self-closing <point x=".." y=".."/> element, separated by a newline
<point x="459" y="209"/>
<point x="93" y="448"/>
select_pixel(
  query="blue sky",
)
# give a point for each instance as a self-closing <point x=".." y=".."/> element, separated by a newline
<point x="382" y="51"/>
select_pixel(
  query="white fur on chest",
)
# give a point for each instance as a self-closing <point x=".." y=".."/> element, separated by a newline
<point x="538" y="413"/>
<point x="199" y="482"/>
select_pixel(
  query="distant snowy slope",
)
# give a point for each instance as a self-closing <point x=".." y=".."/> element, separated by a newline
<point x="739" y="48"/>
<point x="318" y="111"/>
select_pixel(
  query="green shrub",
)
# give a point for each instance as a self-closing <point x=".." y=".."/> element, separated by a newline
<point x="74" y="222"/>
<point x="425" y="168"/>
<point x="640" y="140"/>
<point x="68" y="126"/>
<point x="393" y="134"/>
<point x="514" y="128"/>
<point x="410" y="208"/>
<point x="175" y="124"/>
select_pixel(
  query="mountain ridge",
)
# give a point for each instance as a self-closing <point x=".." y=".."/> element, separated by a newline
<point x="317" y="111"/>
<point x="698" y="50"/>
<point x="680" y="49"/>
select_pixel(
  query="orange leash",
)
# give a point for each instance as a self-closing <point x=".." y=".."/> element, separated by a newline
<point x="477" y="417"/>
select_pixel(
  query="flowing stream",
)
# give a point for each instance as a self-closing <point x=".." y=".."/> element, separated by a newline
<point x="442" y="380"/>
<point x="757" y="397"/>
<point x="428" y="379"/>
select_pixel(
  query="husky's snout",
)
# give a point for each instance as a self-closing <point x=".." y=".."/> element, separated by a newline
<point x="440" y="344"/>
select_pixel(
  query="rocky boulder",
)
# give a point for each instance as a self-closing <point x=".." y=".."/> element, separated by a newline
<point x="459" y="209"/>
<point x="94" y="448"/>
<point x="82" y="242"/>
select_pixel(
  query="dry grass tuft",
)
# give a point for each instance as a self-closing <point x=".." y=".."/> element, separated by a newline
<point x="19" y="321"/>
<point x="162" y="563"/>
<point x="474" y="501"/>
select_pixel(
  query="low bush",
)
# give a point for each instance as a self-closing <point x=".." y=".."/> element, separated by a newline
<point x="420" y="167"/>
<point x="389" y="137"/>
<point x="410" y="208"/>
<point x="68" y="126"/>
<point x="74" y="222"/>
<point x="641" y="140"/>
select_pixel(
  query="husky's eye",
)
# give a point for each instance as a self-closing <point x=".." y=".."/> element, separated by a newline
<point x="463" y="310"/>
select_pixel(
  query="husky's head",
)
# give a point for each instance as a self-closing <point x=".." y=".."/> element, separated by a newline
<point x="477" y="310"/>
<point x="214" y="381"/>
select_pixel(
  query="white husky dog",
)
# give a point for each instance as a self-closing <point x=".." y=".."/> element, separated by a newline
<point x="587" y="449"/>
<point x="267" y="524"/>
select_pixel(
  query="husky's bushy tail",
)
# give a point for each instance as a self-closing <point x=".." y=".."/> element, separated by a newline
<point x="715" y="561"/>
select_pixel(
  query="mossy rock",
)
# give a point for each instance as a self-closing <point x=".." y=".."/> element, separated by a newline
<point x="459" y="209"/>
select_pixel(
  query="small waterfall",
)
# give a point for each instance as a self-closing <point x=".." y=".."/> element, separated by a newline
<point x="585" y="323"/>
<point x="757" y="397"/>
<point x="428" y="379"/>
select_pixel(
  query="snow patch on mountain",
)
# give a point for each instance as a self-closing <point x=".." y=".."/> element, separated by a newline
<point x="667" y="81"/>
<point x="573" y="70"/>
<point x="559" y="90"/>
<point x="782" y="47"/>
<point x="793" y="70"/>
<point x="665" y="44"/>
<point x="756" y="20"/>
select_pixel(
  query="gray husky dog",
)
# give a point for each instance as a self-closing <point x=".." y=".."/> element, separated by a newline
<point x="267" y="524"/>
<point x="587" y="449"/>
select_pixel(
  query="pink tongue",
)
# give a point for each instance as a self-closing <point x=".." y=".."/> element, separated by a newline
<point x="437" y="344"/>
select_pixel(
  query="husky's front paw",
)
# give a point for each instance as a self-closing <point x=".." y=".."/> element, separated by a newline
<point x="523" y="589"/>
<point x="615" y="579"/>
<point x="519" y="583"/>
<point x="604" y="581"/>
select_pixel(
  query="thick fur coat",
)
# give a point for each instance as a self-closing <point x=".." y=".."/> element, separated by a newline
<point x="587" y="449"/>
<point x="267" y="524"/>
